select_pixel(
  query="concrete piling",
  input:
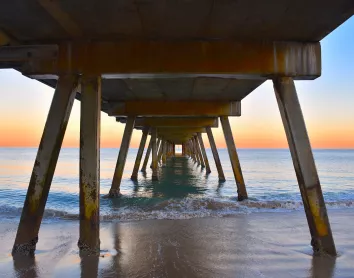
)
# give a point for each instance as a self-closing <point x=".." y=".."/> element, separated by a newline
<point x="44" y="166"/>
<point x="147" y="155"/>
<point x="89" y="242"/>
<point x="164" y="152"/>
<point x="159" y="156"/>
<point x="139" y="155"/>
<point x="304" y="164"/>
<point x="204" y="154"/>
<point x="199" y="153"/>
<point x="158" y="146"/>
<point x="122" y="156"/>
<point x="235" y="163"/>
<point x="215" y="154"/>
<point x="154" y="154"/>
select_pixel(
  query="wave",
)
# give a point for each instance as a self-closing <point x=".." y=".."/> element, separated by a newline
<point x="186" y="208"/>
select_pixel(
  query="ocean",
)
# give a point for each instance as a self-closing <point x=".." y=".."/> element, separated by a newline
<point x="184" y="191"/>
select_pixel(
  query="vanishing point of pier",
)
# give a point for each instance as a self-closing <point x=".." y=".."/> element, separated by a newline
<point x="171" y="69"/>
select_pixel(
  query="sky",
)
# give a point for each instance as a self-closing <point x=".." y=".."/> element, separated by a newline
<point x="327" y="105"/>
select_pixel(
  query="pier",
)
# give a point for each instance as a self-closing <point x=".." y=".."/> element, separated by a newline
<point x="174" y="71"/>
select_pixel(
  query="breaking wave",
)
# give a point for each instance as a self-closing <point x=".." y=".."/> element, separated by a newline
<point x="186" y="208"/>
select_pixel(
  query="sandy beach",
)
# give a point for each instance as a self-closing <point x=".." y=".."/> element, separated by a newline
<point x="247" y="245"/>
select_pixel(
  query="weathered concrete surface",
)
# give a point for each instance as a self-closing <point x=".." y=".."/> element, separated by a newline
<point x="215" y="154"/>
<point x="90" y="122"/>
<point x="161" y="148"/>
<point x="44" y="166"/>
<point x="174" y="122"/>
<point x="235" y="162"/>
<point x="164" y="153"/>
<point x="139" y="155"/>
<point x="176" y="108"/>
<point x="158" y="148"/>
<point x="147" y="155"/>
<point x="199" y="153"/>
<point x="204" y="154"/>
<point x="154" y="153"/>
<point x="175" y="20"/>
<point x="122" y="157"/>
<point x="219" y="58"/>
<point x="304" y="164"/>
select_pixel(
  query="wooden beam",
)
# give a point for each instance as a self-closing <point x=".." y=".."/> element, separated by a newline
<point x="176" y="108"/>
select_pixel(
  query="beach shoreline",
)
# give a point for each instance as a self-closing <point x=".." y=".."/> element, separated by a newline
<point x="266" y="244"/>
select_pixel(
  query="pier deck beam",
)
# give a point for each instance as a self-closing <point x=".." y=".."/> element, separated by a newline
<point x="235" y="163"/>
<point x="147" y="155"/>
<point x="154" y="154"/>
<point x="122" y="157"/>
<point x="215" y="154"/>
<point x="304" y="164"/>
<point x="89" y="241"/>
<point x="205" y="157"/>
<point x="139" y="155"/>
<point x="44" y="166"/>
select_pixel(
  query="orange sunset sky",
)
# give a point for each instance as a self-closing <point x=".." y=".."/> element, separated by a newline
<point x="327" y="103"/>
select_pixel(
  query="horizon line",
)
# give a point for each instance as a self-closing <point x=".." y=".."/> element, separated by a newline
<point x="249" y="148"/>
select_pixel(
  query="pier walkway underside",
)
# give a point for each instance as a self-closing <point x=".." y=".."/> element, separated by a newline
<point x="172" y="69"/>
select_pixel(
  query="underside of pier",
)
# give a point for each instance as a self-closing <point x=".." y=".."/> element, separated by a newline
<point x="172" y="69"/>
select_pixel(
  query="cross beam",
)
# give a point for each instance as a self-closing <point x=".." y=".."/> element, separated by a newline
<point x="176" y="108"/>
<point x="258" y="59"/>
<point x="174" y="122"/>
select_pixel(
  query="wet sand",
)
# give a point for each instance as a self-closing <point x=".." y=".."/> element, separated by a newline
<point x="253" y="245"/>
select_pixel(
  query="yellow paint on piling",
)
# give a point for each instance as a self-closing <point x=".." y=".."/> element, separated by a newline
<point x="320" y="222"/>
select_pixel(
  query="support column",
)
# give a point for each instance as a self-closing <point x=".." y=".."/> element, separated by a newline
<point x="162" y="146"/>
<point x="304" y="164"/>
<point x="164" y="152"/>
<point x="158" y="146"/>
<point x="183" y="149"/>
<point x="139" y="155"/>
<point x="196" y="157"/>
<point x="90" y="122"/>
<point x="205" y="157"/>
<point x="147" y="155"/>
<point x="235" y="163"/>
<point x="199" y="154"/>
<point x="122" y="157"/>
<point x="44" y="166"/>
<point x="191" y="145"/>
<point x="215" y="154"/>
<point x="154" y="154"/>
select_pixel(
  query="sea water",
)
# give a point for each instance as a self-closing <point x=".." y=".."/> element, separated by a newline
<point x="184" y="190"/>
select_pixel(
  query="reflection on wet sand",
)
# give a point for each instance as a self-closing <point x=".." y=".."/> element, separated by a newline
<point x="89" y="266"/>
<point x="254" y="245"/>
<point x="187" y="249"/>
<point x="322" y="267"/>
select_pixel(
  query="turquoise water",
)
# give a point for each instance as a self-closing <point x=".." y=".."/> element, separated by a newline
<point x="184" y="190"/>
